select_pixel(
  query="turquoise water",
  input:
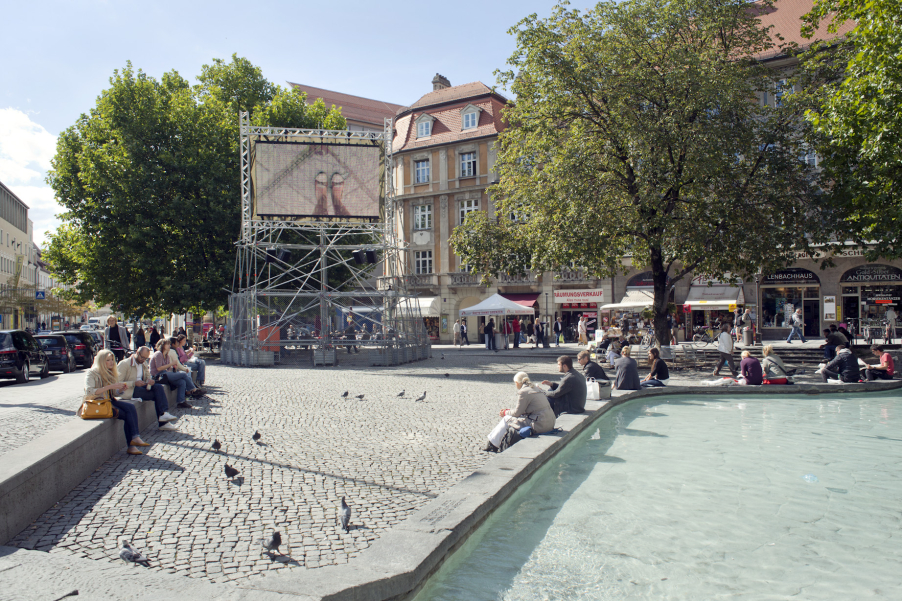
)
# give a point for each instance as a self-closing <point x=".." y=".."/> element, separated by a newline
<point x="796" y="497"/>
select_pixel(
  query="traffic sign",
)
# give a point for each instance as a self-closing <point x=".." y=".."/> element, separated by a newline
<point x="40" y="295"/>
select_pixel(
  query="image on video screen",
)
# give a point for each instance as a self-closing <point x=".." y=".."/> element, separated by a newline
<point x="319" y="180"/>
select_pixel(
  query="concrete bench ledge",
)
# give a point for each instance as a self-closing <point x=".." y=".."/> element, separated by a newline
<point x="36" y="475"/>
<point x="394" y="567"/>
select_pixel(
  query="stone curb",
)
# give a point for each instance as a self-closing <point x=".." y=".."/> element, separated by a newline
<point x="36" y="475"/>
<point x="394" y="567"/>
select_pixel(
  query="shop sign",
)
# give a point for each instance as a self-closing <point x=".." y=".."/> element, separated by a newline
<point x="881" y="295"/>
<point x="579" y="296"/>
<point x="687" y="308"/>
<point x="793" y="275"/>
<point x="643" y="280"/>
<point x="872" y="273"/>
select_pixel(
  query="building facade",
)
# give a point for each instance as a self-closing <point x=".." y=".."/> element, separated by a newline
<point x="362" y="114"/>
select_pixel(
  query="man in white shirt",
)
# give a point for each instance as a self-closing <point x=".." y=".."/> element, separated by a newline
<point x="583" y="330"/>
<point x="725" y="348"/>
<point x="135" y="372"/>
<point x="456" y="330"/>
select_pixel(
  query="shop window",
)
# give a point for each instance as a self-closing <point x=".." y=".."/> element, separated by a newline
<point x="777" y="304"/>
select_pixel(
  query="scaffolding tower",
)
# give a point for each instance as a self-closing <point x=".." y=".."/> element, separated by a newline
<point x="306" y="287"/>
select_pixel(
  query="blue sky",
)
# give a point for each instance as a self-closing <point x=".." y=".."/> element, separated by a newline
<point x="63" y="54"/>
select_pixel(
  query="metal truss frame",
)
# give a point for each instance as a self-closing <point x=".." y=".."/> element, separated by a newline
<point x="272" y="290"/>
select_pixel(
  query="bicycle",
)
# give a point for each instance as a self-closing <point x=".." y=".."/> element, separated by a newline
<point x="648" y="340"/>
<point x="703" y="335"/>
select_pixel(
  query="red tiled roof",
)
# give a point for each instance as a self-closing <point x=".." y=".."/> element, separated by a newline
<point x="467" y="90"/>
<point x="447" y="124"/>
<point x="354" y="108"/>
<point x="786" y="18"/>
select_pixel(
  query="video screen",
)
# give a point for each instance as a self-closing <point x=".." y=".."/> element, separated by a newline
<point x="316" y="180"/>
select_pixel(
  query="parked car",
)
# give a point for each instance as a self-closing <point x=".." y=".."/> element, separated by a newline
<point x="21" y="356"/>
<point x="83" y="346"/>
<point x="60" y="353"/>
<point x="98" y="340"/>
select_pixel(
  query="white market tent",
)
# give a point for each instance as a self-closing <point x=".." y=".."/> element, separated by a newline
<point x="497" y="305"/>
<point x="635" y="299"/>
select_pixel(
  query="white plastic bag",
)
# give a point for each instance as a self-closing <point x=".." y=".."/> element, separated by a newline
<point x="597" y="390"/>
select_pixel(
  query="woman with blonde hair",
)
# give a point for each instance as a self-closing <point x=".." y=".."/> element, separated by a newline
<point x="533" y="410"/>
<point x="101" y="381"/>
<point x="774" y="370"/>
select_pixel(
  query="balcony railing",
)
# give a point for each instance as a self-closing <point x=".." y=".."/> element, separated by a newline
<point x="464" y="278"/>
<point x="422" y="280"/>
<point x="507" y="279"/>
<point x="568" y="275"/>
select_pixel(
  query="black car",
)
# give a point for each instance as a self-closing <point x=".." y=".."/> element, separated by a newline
<point x="21" y="356"/>
<point x="83" y="345"/>
<point x="60" y="354"/>
<point x="98" y="340"/>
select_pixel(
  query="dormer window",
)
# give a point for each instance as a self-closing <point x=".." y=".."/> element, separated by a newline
<point x="424" y="125"/>
<point x="469" y="117"/>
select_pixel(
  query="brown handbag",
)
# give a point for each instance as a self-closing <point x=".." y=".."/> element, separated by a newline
<point x="98" y="408"/>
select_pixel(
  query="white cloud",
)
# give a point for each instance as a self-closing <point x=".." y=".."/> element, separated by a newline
<point x="26" y="149"/>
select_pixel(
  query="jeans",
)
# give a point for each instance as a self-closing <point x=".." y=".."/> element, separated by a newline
<point x="829" y="352"/>
<point x="653" y="383"/>
<point x="490" y="342"/>
<point x="557" y="338"/>
<point x="516" y="339"/>
<point x="129" y="416"/>
<point x="181" y="381"/>
<point x="200" y="366"/>
<point x="155" y="394"/>
<point x="463" y="339"/>
<point x="877" y="374"/>
<point x="796" y="331"/>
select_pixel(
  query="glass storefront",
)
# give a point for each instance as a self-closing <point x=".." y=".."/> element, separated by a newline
<point x="778" y="303"/>
<point x="432" y="327"/>
<point x="868" y="291"/>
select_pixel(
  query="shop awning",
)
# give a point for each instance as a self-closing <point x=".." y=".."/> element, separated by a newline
<point x="527" y="300"/>
<point x="636" y="298"/>
<point x="428" y="306"/>
<point x="496" y="305"/>
<point x="718" y="298"/>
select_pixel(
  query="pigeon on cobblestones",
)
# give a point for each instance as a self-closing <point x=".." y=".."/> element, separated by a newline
<point x="230" y="472"/>
<point x="129" y="554"/>
<point x="447" y="375"/>
<point x="443" y="356"/>
<point x="421" y="398"/>
<point x="359" y="397"/>
<point x="345" y="516"/>
<point x="272" y="543"/>
<point x="400" y="394"/>
<point x="216" y="445"/>
<point x="256" y="435"/>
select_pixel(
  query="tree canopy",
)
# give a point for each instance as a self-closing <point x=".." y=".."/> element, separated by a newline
<point x="636" y="132"/>
<point x="856" y="115"/>
<point x="149" y="180"/>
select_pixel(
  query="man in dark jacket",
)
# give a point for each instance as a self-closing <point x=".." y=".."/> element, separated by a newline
<point x="844" y="366"/>
<point x="590" y="368"/>
<point x="568" y="396"/>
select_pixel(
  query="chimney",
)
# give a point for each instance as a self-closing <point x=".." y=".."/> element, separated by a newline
<point x="440" y="82"/>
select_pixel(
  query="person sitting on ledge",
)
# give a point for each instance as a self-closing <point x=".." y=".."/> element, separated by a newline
<point x="190" y="360"/>
<point x="750" y="370"/>
<point x="843" y="367"/>
<point x="590" y="368"/>
<point x="162" y="364"/>
<point x="885" y="370"/>
<point x="101" y="381"/>
<point x="569" y="395"/>
<point x="774" y="370"/>
<point x="659" y="374"/>
<point x="134" y="371"/>
<point x="627" y="376"/>
<point x="532" y="410"/>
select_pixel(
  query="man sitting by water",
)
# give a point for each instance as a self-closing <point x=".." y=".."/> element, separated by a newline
<point x="568" y="396"/>
<point x="590" y="368"/>
<point x="844" y="366"/>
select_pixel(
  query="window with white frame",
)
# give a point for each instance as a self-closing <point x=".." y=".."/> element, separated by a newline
<point x="421" y="169"/>
<point x="468" y="164"/>
<point x="423" y="261"/>
<point x="463" y="267"/>
<point x="422" y="217"/>
<point x="424" y="129"/>
<point x="470" y="120"/>
<point x="809" y="156"/>
<point x="468" y="206"/>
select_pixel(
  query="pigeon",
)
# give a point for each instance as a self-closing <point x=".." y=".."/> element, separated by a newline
<point x="345" y="394"/>
<point x="400" y="394"/>
<point x="345" y="516"/>
<point x="421" y="398"/>
<point x="256" y="436"/>
<point x="216" y="445"/>
<point x="129" y="554"/>
<point x="359" y="397"/>
<point x="72" y="594"/>
<point x="272" y="543"/>
<point x="443" y="356"/>
<point x="447" y="375"/>
<point x="230" y="472"/>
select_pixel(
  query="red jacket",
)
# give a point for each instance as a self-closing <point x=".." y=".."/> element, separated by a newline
<point x="516" y="326"/>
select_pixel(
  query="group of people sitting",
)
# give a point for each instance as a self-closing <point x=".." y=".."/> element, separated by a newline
<point x="142" y="376"/>
<point x="846" y="368"/>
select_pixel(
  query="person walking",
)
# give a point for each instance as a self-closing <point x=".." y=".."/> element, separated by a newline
<point x="517" y="327"/>
<point x="490" y="335"/>
<point x="796" y="323"/>
<point x="463" y="333"/>
<point x="725" y="348"/>
<point x="558" y="331"/>
<point x="455" y="329"/>
<point x="540" y="334"/>
<point x="583" y="330"/>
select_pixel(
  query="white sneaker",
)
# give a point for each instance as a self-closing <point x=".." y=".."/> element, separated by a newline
<point x="166" y="417"/>
<point x="168" y="428"/>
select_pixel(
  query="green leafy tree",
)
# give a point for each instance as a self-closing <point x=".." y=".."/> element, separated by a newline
<point x="636" y="132"/>
<point x="856" y="115"/>
<point x="149" y="180"/>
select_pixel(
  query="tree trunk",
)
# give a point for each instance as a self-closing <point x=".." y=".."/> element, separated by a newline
<point x="662" y="294"/>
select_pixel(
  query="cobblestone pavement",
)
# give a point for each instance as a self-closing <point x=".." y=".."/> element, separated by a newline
<point x="387" y="455"/>
<point x="28" y="411"/>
